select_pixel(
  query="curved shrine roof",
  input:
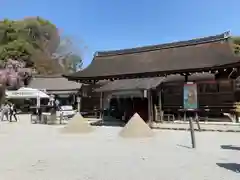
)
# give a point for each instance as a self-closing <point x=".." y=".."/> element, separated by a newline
<point x="150" y="83"/>
<point x="202" y="54"/>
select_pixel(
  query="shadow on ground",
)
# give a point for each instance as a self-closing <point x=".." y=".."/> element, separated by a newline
<point x="108" y="121"/>
<point x="230" y="166"/>
<point x="184" y="146"/>
<point x="230" y="147"/>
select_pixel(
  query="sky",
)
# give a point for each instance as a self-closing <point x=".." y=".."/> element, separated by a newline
<point x="97" y="25"/>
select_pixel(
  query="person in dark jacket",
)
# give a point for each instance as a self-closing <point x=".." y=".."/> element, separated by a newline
<point x="13" y="112"/>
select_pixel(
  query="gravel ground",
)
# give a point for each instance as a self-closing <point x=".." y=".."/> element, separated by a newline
<point x="204" y="127"/>
<point x="40" y="152"/>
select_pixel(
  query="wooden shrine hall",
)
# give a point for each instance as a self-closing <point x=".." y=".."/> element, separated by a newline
<point x="176" y="63"/>
<point x="143" y="95"/>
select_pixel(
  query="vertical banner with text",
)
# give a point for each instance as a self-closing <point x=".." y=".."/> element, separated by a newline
<point x="190" y="100"/>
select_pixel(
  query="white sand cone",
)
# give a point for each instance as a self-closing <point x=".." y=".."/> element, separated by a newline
<point x="77" y="125"/>
<point x="136" y="128"/>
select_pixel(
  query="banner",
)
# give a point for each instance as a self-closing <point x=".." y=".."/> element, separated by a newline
<point x="190" y="96"/>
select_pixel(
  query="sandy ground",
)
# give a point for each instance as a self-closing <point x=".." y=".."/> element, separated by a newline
<point x="206" y="127"/>
<point x="41" y="152"/>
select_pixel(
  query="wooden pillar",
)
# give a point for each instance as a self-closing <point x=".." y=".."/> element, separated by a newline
<point x="150" y="118"/>
<point x="152" y="110"/>
<point x="101" y="105"/>
<point x="160" y="104"/>
<point x="79" y="100"/>
<point x="133" y="105"/>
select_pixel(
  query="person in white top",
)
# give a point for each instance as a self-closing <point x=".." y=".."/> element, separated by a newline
<point x="57" y="104"/>
<point x="5" y="111"/>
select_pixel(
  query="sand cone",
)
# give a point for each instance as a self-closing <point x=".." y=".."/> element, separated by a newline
<point x="77" y="125"/>
<point x="136" y="128"/>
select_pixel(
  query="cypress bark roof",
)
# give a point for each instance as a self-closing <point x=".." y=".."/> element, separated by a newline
<point x="195" y="55"/>
<point x="53" y="83"/>
<point x="131" y="84"/>
<point x="150" y="83"/>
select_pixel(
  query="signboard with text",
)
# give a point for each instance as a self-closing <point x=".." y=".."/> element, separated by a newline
<point x="21" y="93"/>
<point x="190" y="100"/>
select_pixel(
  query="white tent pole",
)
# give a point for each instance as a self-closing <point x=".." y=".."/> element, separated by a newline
<point x="38" y="101"/>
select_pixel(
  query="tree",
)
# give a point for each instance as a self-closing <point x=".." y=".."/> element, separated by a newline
<point x="21" y="40"/>
<point x="72" y="62"/>
<point x="236" y="44"/>
<point x="17" y="49"/>
<point x="34" y="44"/>
<point x="30" y="37"/>
<point x="26" y="45"/>
<point x="68" y="54"/>
<point x="46" y="65"/>
<point x="34" y="37"/>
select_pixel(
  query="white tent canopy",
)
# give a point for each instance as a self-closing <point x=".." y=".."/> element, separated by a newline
<point x="26" y="93"/>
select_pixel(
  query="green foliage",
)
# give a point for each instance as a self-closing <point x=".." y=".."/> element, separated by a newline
<point x="43" y="33"/>
<point x="68" y="54"/>
<point x="72" y="62"/>
<point x="37" y="42"/>
<point x="17" y="49"/>
<point x="27" y="39"/>
<point x="46" y="65"/>
<point x="236" y="44"/>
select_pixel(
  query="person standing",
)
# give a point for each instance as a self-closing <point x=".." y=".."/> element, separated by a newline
<point x="57" y="104"/>
<point x="5" y="111"/>
<point x="13" y="112"/>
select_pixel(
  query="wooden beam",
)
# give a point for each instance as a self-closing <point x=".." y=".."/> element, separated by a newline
<point x="101" y="105"/>
<point x="150" y="118"/>
<point x="160" y="103"/>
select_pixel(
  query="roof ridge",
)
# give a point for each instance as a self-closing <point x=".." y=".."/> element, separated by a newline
<point x="48" y="76"/>
<point x="191" y="42"/>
